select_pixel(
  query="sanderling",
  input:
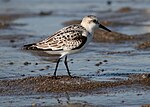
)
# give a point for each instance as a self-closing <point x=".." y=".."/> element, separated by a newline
<point x="69" y="40"/>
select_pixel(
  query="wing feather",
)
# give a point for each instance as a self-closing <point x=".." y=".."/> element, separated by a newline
<point x="68" y="38"/>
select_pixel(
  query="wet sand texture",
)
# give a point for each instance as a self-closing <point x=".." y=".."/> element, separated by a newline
<point x="64" y="84"/>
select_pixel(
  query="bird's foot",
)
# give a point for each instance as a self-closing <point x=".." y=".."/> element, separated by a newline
<point x="54" y="77"/>
<point x="71" y="76"/>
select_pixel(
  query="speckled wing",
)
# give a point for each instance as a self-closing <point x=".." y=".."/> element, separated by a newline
<point x="68" y="38"/>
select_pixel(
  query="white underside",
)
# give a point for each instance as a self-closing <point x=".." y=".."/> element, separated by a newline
<point x="66" y="52"/>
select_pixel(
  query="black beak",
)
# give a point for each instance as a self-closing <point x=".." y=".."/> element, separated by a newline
<point x="103" y="27"/>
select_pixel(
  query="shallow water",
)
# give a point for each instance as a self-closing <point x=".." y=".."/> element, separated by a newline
<point x="126" y="99"/>
<point x="128" y="61"/>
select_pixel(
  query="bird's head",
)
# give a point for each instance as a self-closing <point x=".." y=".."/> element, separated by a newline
<point x="91" y="22"/>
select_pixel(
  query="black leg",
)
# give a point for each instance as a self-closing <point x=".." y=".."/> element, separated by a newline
<point x="67" y="66"/>
<point x="56" y="67"/>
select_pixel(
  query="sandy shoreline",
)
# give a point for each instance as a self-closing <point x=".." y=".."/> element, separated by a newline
<point x="48" y="84"/>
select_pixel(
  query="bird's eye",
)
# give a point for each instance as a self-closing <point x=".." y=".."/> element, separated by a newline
<point x="95" y="21"/>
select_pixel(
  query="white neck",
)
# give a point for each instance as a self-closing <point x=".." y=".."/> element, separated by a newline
<point x="89" y="28"/>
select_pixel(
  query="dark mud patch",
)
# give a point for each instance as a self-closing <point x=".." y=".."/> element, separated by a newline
<point x="9" y="17"/>
<point x="3" y="25"/>
<point x="143" y="41"/>
<point x="45" y="13"/>
<point x="146" y="105"/>
<point x="103" y="36"/>
<point x="12" y="16"/>
<point x="14" y="40"/>
<point x="144" y="45"/>
<point x="47" y="84"/>
<point x="125" y="9"/>
<point x="119" y="52"/>
<point x="6" y="19"/>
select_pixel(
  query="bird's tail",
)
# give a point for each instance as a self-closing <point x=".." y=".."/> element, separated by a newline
<point x="30" y="46"/>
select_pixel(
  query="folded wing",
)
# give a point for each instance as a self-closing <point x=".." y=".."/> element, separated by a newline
<point x="68" y="38"/>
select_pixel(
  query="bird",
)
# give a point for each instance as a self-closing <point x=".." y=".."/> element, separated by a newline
<point x="68" y="40"/>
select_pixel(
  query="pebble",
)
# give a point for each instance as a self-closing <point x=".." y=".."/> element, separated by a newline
<point x="105" y="61"/>
<point x="23" y="75"/>
<point x="10" y="63"/>
<point x="98" y="64"/>
<point x="122" y="101"/>
<point x="12" y="41"/>
<point x="100" y="70"/>
<point x="47" y="67"/>
<point x="87" y="60"/>
<point x="32" y="71"/>
<point x="145" y="76"/>
<point x="27" y="63"/>
<point x="109" y="2"/>
<point x="42" y="69"/>
<point x="42" y="13"/>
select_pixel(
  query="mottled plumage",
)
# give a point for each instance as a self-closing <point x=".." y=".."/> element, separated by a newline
<point x="69" y="40"/>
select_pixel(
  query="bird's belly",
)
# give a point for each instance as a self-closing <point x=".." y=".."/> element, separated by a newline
<point x="66" y="52"/>
<point x="80" y="49"/>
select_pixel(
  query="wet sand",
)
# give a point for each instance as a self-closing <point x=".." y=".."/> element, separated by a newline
<point x="48" y="84"/>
